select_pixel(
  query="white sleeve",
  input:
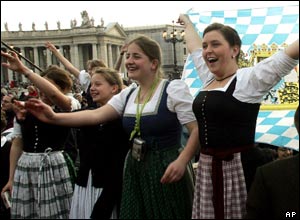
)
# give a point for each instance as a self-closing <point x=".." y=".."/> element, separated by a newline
<point x="180" y="101"/>
<point x="17" y="129"/>
<point x="75" y="104"/>
<point x="201" y="67"/>
<point x="84" y="80"/>
<point x="118" y="101"/>
<point x="254" y="82"/>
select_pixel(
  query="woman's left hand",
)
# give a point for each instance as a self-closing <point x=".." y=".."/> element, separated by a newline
<point x="174" y="172"/>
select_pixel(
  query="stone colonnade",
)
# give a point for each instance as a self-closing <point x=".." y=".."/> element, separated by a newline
<point x="77" y="54"/>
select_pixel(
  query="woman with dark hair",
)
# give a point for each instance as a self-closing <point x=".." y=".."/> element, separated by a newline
<point x="226" y="110"/>
<point x="39" y="180"/>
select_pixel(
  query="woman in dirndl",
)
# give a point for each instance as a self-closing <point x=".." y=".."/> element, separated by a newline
<point x="39" y="181"/>
<point x="157" y="180"/>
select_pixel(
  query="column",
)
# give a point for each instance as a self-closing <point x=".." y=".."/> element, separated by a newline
<point x="103" y="53"/>
<point x="49" y="55"/>
<point x="95" y="51"/>
<point x="10" y="75"/>
<point x="74" y="55"/>
<point x="118" y="51"/>
<point x="110" y="59"/>
<point x="36" y="58"/>
<point x="22" y="50"/>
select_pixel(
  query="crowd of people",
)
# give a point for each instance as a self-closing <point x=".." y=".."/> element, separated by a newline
<point x="126" y="140"/>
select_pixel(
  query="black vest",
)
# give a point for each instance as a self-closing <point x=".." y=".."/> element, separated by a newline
<point x="225" y="122"/>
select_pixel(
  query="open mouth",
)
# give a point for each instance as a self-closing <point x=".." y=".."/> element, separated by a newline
<point x="212" y="60"/>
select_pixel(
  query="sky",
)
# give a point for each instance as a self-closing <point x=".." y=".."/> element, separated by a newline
<point x="126" y="13"/>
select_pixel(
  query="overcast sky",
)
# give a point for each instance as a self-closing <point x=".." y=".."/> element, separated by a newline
<point x="126" y="13"/>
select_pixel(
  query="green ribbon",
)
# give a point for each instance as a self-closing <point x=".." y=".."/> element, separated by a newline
<point x="138" y="114"/>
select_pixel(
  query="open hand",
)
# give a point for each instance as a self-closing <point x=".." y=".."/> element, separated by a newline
<point x="13" y="62"/>
<point x="40" y="110"/>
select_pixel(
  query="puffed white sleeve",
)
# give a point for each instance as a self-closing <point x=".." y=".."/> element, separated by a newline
<point x="118" y="101"/>
<point x="180" y="101"/>
<point x="201" y="67"/>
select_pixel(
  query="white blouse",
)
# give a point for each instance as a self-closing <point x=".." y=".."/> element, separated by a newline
<point x="179" y="100"/>
<point x="252" y="82"/>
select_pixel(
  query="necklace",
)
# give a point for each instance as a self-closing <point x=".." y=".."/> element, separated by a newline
<point x="219" y="80"/>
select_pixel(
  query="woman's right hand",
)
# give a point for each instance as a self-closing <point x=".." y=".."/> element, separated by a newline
<point x="183" y="19"/>
<point x="19" y="109"/>
<point x="7" y="187"/>
<point x="50" y="46"/>
<point x="40" y="110"/>
<point x="14" y="63"/>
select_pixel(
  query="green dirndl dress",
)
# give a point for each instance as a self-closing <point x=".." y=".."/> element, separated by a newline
<point x="145" y="197"/>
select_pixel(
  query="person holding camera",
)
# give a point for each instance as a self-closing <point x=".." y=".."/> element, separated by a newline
<point x="157" y="173"/>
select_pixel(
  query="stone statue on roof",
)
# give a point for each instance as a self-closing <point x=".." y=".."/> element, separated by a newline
<point x="58" y="25"/>
<point x="6" y="26"/>
<point x="33" y="26"/>
<point x="20" y="26"/>
<point x="86" y="22"/>
<point x="102" y="22"/>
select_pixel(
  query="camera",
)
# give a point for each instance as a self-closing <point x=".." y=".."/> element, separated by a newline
<point x="138" y="149"/>
<point x="6" y="199"/>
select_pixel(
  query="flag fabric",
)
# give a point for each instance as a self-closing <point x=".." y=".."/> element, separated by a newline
<point x="258" y="26"/>
<point x="276" y="127"/>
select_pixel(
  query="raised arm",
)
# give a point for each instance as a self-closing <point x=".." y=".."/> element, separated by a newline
<point x="120" y="58"/>
<point x="67" y="64"/>
<point x="72" y="119"/>
<point x="192" y="38"/>
<point x="293" y="50"/>
<point x="51" y="91"/>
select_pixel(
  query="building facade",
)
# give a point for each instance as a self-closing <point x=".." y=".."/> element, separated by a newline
<point x="82" y="43"/>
